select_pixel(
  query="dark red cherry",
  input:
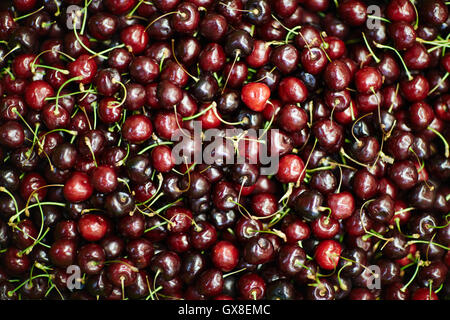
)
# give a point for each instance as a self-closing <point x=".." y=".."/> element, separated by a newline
<point x="137" y="128"/>
<point x="337" y="75"/>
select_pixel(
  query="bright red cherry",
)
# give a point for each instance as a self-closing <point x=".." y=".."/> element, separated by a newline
<point x="92" y="227"/>
<point x="255" y="95"/>
<point x="291" y="169"/>
<point x="327" y="254"/>
<point x="225" y="256"/>
<point x="78" y="187"/>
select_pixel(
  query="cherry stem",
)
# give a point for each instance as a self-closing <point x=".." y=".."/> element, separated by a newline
<point x="371" y="16"/>
<point x="3" y="189"/>
<point x="214" y="109"/>
<point x="293" y="31"/>
<point x="162" y="16"/>
<point x="124" y="92"/>
<point x="419" y="264"/>
<point x="181" y="66"/>
<point x="439" y="83"/>
<point x="342" y="151"/>
<point x="108" y="50"/>
<point x="212" y="105"/>
<point x="84" y="11"/>
<point x="70" y="94"/>
<point x="28" y="14"/>
<point x="61" y="87"/>
<point x="447" y="148"/>
<point x="408" y="74"/>
<point x="429" y="242"/>
<point x="233" y="272"/>
<point x="377" y="60"/>
<point x="135" y="8"/>
<point x="10" y="293"/>
<point x="34" y="66"/>
<point x="154" y="145"/>
<point x="9" y="52"/>
<point x="94" y="54"/>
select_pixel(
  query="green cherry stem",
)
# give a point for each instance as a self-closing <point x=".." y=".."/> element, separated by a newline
<point x="28" y="14"/>
<point x="381" y="46"/>
<point x="447" y="148"/>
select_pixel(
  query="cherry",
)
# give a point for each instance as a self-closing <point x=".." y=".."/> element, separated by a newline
<point x="102" y="25"/>
<point x="63" y="252"/>
<point x="434" y="12"/>
<point x="144" y="69"/>
<point x="135" y="38"/>
<point x="78" y="187"/>
<point x="203" y="235"/>
<point x="92" y="227"/>
<point x="137" y="128"/>
<point x="251" y="286"/>
<point x="424" y="294"/>
<point x="24" y="236"/>
<point x="119" y="7"/>
<point x="291" y="259"/>
<point x="258" y="250"/>
<point x="290" y="169"/>
<point x="329" y="134"/>
<point x="210" y="282"/>
<point x="368" y="79"/>
<point x="416" y="89"/>
<point x="91" y="258"/>
<point x="33" y="186"/>
<point x="327" y="254"/>
<point x="292" y="90"/>
<point x="225" y="256"/>
<point x="337" y="75"/>
<point x="119" y="59"/>
<point x="325" y="227"/>
<point x="400" y="10"/>
<point x="167" y="263"/>
<point x="122" y="273"/>
<point x="14" y="262"/>
<point x="12" y="134"/>
<point x="285" y="58"/>
<point x="187" y="19"/>
<point x="255" y="96"/>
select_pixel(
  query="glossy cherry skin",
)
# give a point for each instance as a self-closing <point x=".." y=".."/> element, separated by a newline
<point x="92" y="227"/>
<point x="210" y="282"/>
<point x="337" y="75"/>
<point x="32" y="186"/>
<point x="251" y="286"/>
<point x="119" y="7"/>
<point x="91" y="258"/>
<point x="290" y="169"/>
<point x="12" y="134"/>
<point x="327" y="254"/>
<point x="225" y="256"/>
<point x="36" y="93"/>
<point x="400" y="10"/>
<point x="137" y="128"/>
<point x="83" y="69"/>
<point x="255" y="96"/>
<point x="78" y="187"/>
<point x="63" y="252"/>
<point x="15" y="263"/>
<point x="122" y="272"/>
<point x="424" y="294"/>
<point x="292" y="90"/>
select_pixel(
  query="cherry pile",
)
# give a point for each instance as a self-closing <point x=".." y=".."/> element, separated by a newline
<point x="94" y="205"/>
